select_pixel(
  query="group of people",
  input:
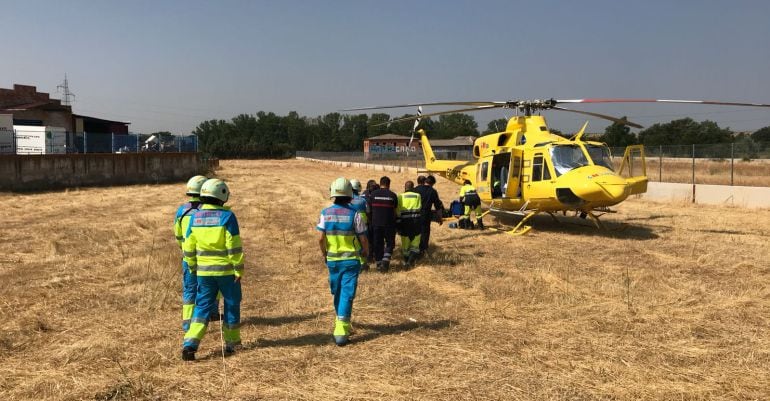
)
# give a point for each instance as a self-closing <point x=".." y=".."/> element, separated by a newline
<point x="360" y="227"/>
<point x="408" y="214"/>
<point x="357" y="229"/>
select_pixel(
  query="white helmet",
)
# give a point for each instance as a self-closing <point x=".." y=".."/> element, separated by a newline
<point x="341" y="187"/>
<point x="356" y="185"/>
<point x="215" y="188"/>
<point x="194" y="185"/>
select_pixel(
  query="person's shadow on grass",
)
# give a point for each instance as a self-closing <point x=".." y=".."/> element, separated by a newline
<point x="363" y="332"/>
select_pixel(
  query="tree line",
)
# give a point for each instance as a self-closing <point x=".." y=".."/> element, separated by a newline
<point x="268" y="135"/>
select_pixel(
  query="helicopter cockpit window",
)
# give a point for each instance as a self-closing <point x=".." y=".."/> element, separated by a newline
<point x="600" y="155"/>
<point x="566" y="158"/>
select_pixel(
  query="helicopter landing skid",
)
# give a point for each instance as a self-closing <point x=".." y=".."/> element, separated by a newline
<point x="521" y="228"/>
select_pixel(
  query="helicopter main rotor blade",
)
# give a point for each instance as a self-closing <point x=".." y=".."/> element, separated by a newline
<point x="498" y="104"/>
<point x="604" y="116"/>
<point x="487" y="107"/>
<point x="661" y="101"/>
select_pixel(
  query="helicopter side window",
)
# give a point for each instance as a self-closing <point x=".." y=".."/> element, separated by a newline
<point x="566" y="158"/>
<point x="484" y="168"/>
<point x="600" y="155"/>
<point x="537" y="168"/>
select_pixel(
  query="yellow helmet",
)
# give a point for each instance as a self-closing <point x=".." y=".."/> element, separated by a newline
<point x="194" y="185"/>
<point x="341" y="187"/>
<point x="215" y="188"/>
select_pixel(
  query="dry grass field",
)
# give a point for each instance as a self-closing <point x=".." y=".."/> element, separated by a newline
<point x="754" y="173"/>
<point x="673" y="303"/>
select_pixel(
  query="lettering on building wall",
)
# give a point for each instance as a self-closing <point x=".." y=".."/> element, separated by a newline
<point x="391" y="148"/>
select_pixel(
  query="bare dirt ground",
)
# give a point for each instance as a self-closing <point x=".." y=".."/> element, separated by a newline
<point x="672" y="304"/>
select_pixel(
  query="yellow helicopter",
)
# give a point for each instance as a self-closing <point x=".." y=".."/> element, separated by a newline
<point x="526" y="170"/>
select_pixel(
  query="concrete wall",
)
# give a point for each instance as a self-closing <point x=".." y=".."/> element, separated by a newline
<point x="750" y="197"/>
<point x="39" y="172"/>
<point x="370" y="166"/>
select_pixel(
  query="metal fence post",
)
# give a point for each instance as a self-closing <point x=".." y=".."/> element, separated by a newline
<point x="85" y="142"/>
<point x="112" y="142"/>
<point x="137" y="143"/>
<point x="732" y="164"/>
<point x="693" y="173"/>
<point x="660" y="163"/>
<point x="195" y="140"/>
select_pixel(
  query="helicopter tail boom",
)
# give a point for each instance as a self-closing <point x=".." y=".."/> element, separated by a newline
<point x="454" y="170"/>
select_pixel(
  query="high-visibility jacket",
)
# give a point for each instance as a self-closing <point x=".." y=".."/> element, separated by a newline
<point x="182" y="218"/>
<point x="409" y="206"/>
<point x="342" y="224"/>
<point x="212" y="245"/>
<point x="468" y="196"/>
<point x="409" y="212"/>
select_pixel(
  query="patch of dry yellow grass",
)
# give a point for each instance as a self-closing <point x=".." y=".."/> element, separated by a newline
<point x="673" y="304"/>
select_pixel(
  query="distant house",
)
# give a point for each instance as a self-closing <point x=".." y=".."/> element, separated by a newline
<point x="389" y="145"/>
<point x="460" y="147"/>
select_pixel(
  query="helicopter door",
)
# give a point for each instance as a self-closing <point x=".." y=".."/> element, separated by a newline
<point x="512" y="189"/>
<point x="538" y="184"/>
<point x="482" y="180"/>
<point x="500" y="172"/>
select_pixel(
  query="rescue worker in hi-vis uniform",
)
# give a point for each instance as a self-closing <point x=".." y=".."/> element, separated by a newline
<point x="212" y="249"/>
<point x="343" y="242"/>
<point x="409" y="215"/>
<point x="181" y="222"/>
<point x="472" y="202"/>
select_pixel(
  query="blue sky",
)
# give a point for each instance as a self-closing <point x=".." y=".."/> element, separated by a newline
<point x="168" y="65"/>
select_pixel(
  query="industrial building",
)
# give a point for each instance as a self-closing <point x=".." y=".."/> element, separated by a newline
<point x="32" y="108"/>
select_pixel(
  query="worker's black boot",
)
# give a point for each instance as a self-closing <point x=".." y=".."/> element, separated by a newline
<point x="480" y="224"/>
<point x="385" y="266"/>
<point x="188" y="354"/>
<point x="410" y="260"/>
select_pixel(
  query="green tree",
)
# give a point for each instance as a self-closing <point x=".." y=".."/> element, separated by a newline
<point x="453" y="125"/>
<point x="685" y="132"/>
<point x="762" y="137"/>
<point x="378" y="124"/>
<point x="618" y="135"/>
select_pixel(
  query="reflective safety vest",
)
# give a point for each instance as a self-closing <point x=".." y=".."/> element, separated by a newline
<point x="468" y="196"/>
<point x="212" y="245"/>
<point x="339" y="227"/>
<point x="182" y="218"/>
<point x="409" y="206"/>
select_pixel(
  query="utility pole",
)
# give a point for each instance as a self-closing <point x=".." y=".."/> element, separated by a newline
<point x="65" y="89"/>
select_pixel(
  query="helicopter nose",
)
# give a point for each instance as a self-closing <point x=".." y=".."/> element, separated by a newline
<point x="610" y="188"/>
